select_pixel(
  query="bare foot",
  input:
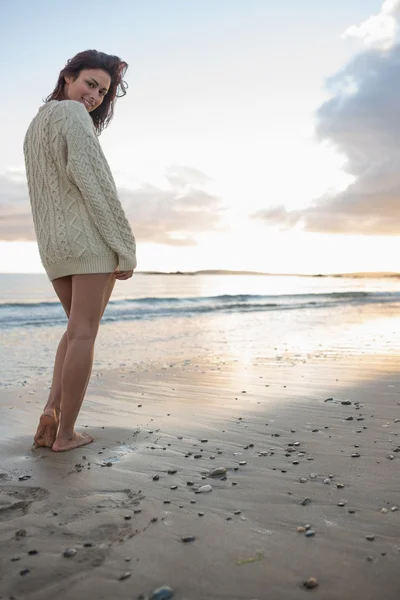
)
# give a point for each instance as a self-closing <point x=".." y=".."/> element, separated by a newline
<point x="76" y="441"/>
<point x="46" y="432"/>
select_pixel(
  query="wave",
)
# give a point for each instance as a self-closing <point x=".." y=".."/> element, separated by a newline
<point x="34" y="314"/>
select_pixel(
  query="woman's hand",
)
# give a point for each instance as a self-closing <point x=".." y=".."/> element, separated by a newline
<point x="123" y="274"/>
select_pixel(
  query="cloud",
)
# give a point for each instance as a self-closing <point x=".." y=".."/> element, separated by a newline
<point x="378" y="30"/>
<point x="171" y="215"/>
<point x="361" y="121"/>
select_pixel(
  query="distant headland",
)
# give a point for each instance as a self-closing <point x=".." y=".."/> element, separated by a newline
<point x="360" y="275"/>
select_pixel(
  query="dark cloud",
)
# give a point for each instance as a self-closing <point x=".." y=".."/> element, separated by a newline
<point x="174" y="215"/>
<point x="361" y="120"/>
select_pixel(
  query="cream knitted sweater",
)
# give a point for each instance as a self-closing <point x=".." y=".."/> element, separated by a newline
<point x="79" y="222"/>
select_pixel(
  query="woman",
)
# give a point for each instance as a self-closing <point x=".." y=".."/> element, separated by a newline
<point x="85" y="241"/>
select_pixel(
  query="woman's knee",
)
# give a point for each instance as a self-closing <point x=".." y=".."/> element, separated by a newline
<point x="82" y="331"/>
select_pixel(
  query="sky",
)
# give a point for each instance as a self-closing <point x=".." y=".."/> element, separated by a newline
<point x="258" y="135"/>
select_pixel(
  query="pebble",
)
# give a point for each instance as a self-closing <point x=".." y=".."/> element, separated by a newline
<point x="188" y="538"/>
<point x="303" y="480"/>
<point x="370" y="538"/>
<point x="242" y="462"/>
<point x="162" y="593"/>
<point x="311" y="583"/>
<point x="204" y="489"/>
<point x="355" y="455"/>
<point x="109" y="464"/>
<point x="394" y="508"/>
<point x="218" y="472"/>
<point x="171" y="471"/>
<point x="24" y="572"/>
<point x="342" y="503"/>
<point x="346" y="402"/>
<point x="237" y="512"/>
<point x="301" y="529"/>
<point x="125" y="575"/>
<point x="340" y="486"/>
<point x="69" y="552"/>
<point x="327" y="481"/>
<point x="305" y="501"/>
<point x="156" y="477"/>
<point x="313" y="475"/>
<point x="310" y="533"/>
<point x="384" y="511"/>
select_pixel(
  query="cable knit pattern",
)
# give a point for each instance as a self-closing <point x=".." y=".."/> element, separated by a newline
<point x="79" y="221"/>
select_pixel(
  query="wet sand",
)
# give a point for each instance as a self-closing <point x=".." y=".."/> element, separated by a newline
<point x="296" y="459"/>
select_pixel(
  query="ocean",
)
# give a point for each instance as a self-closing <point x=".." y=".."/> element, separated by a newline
<point x="156" y="320"/>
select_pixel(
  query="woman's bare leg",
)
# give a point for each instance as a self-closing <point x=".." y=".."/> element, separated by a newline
<point x="49" y="420"/>
<point x="90" y="295"/>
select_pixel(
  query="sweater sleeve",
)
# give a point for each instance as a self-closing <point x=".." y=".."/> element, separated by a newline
<point x="88" y="169"/>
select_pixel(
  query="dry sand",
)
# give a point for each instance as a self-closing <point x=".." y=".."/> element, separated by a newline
<point x="127" y="528"/>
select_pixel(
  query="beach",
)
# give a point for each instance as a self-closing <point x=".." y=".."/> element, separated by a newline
<point x="291" y="422"/>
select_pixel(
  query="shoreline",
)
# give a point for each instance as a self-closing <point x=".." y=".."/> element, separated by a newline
<point x="151" y="424"/>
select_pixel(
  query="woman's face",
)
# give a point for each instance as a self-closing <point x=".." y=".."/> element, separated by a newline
<point x="89" y="88"/>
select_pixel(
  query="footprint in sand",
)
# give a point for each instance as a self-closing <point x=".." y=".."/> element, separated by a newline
<point x="15" y="501"/>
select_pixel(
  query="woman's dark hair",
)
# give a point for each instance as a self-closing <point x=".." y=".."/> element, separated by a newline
<point x="92" y="59"/>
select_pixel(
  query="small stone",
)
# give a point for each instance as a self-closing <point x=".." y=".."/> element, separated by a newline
<point x="305" y="501"/>
<point x="237" y="512"/>
<point x="33" y="552"/>
<point x="201" y="514"/>
<point x="109" y="464"/>
<point x="310" y="533"/>
<point x="190" y="483"/>
<point x="172" y="471"/>
<point x="24" y="572"/>
<point x="242" y="463"/>
<point x="370" y="538"/>
<point x="167" y="501"/>
<point x="342" y="503"/>
<point x="124" y="576"/>
<point x="384" y="511"/>
<point x="301" y="529"/>
<point x="315" y="430"/>
<point x="303" y="480"/>
<point x="218" y="472"/>
<point x="394" y="508"/>
<point x="173" y="487"/>
<point x="198" y="456"/>
<point x="203" y="441"/>
<point x="162" y="593"/>
<point x="346" y="402"/>
<point x="205" y="489"/>
<point x="313" y="475"/>
<point x="327" y="481"/>
<point x="340" y="486"/>
<point x="156" y="477"/>
<point x="70" y="552"/>
<point x="355" y="455"/>
<point x="311" y="583"/>
<point x="188" y="538"/>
